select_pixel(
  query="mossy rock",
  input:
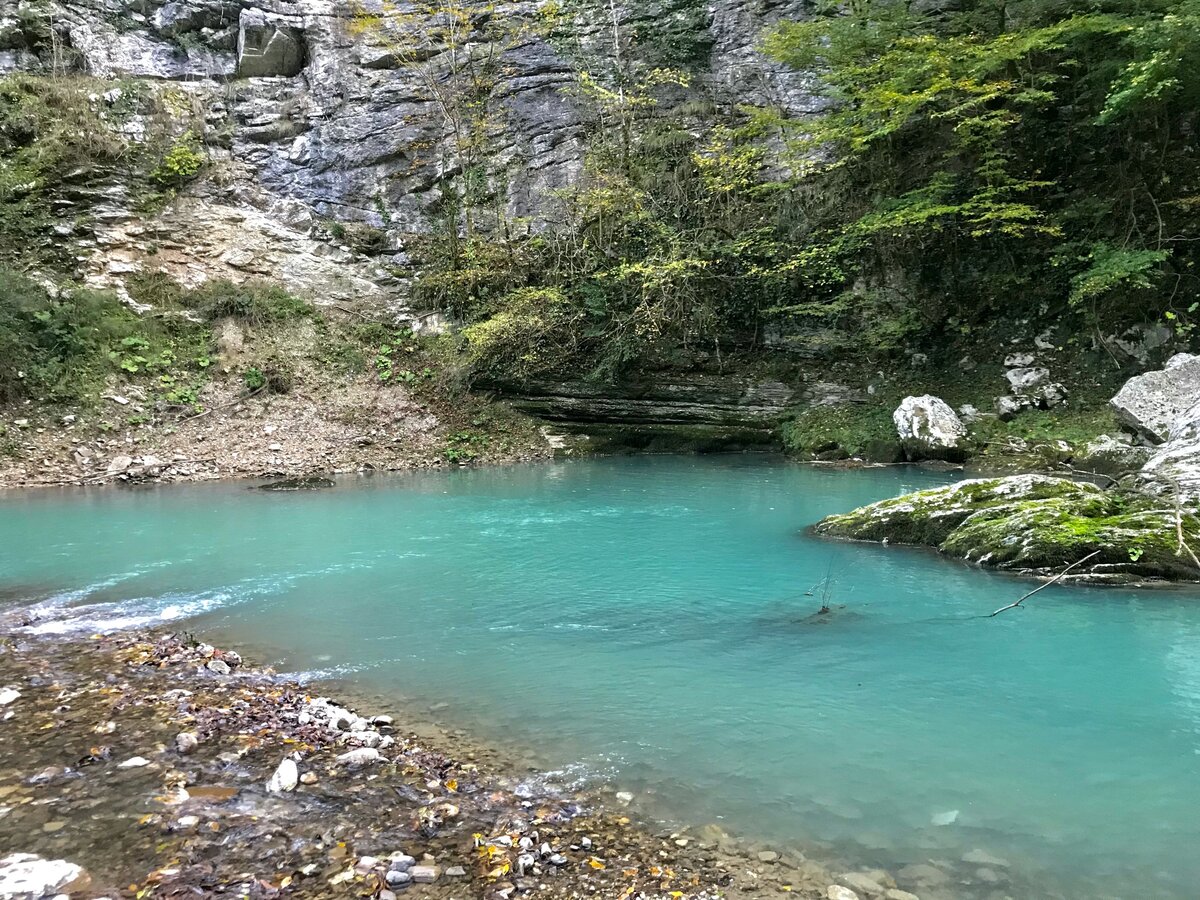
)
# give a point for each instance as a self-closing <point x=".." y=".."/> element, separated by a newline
<point x="1035" y="524"/>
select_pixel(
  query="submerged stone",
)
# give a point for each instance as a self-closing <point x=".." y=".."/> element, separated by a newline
<point x="305" y="483"/>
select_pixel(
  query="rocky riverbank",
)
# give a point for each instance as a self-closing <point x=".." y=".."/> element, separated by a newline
<point x="1145" y="528"/>
<point x="139" y="765"/>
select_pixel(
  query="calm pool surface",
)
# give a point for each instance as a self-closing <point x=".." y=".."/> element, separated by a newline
<point x="647" y="622"/>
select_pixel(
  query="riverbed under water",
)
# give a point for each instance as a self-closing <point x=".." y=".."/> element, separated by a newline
<point x="650" y="623"/>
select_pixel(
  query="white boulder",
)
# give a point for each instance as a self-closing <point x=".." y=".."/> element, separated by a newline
<point x="928" y="428"/>
<point x="1152" y="404"/>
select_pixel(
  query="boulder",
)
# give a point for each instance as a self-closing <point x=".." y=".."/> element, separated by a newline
<point x="1008" y="407"/>
<point x="1174" y="467"/>
<point x="268" y="45"/>
<point x="1111" y="455"/>
<point x="929" y="429"/>
<point x="1036" y="525"/>
<point x="1152" y="403"/>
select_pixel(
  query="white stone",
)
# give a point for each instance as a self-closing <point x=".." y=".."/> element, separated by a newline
<point x="928" y="427"/>
<point x="27" y="875"/>
<point x="363" y="756"/>
<point x="8" y="695"/>
<point x="119" y="464"/>
<point x="862" y="883"/>
<point x="1152" y="403"/>
<point x="285" y="779"/>
<point x="837" y="892"/>
<point x="1023" y="380"/>
<point x="134" y="762"/>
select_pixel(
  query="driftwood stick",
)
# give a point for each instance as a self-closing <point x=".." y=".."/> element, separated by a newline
<point x="1042" y="587"/>
<point x="234" y="402"/>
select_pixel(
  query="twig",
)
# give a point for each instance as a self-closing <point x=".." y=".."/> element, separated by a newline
<point x="234" y="402"/>
<point x="1183" y="544"/>
<point x="353" y="312"/>
<point x="1042" y="587"/>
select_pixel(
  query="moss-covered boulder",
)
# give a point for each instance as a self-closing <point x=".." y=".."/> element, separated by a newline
<point x="1035" y="524"/>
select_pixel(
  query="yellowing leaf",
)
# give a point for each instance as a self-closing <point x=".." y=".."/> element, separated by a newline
<point x="452" y="784"/>
<point x="595" y="863"/>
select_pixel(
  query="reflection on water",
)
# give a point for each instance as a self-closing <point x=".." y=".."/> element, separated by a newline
<point x="656" y="623"/>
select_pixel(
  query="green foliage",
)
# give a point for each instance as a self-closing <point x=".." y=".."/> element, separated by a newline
<point x="256" y="303"/>
<point x="254" y="379"/>
<point x="181" y="163"/>
<point x="533" y="332"/>
<point x="1038" y="151"/>
<point x="464" y="446"/>
<point x="62" y="349"/>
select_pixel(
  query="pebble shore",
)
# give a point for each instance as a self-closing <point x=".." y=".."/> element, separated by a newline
<point x="147" y="765"/>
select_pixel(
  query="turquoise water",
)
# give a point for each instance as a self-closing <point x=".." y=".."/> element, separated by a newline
<point x="645" y="622"/>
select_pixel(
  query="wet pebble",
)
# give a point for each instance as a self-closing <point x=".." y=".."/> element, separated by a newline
<point x="285" y="779"/>
<point x="186" y="742"/>
<point x="308" y="778"/>
<point x="557" y="859"/>
<point x="218" y="667"/>
<point x="456" y="872"/>
<point x="363" y="756"/>
<point x="9" y="695"/>
<point x="525" y="863"/>
<point x="401" y="862"/>
<point x="425" y="874"/>
<point x="983" y="858"/>
<point x="837" y="892"/>
<point x="134" y="762"/>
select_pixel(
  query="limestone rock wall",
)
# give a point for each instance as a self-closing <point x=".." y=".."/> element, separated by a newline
<point x="333" y="109"/>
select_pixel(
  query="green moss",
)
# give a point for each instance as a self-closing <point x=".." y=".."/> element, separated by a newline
<point x="860" y="430"/>
<point x="1075" y="425"/>
<point x="930" y="517"/>
<point x="1034" y="523"/>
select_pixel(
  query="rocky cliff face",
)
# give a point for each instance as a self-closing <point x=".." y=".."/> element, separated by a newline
<point x="367" y="112"/>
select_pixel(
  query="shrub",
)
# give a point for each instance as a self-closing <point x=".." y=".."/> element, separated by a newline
<point x="181" y="163"/>
<point x="255" y="303"/>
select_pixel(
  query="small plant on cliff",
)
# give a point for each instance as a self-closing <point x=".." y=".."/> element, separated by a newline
<point x="181" y="163"/>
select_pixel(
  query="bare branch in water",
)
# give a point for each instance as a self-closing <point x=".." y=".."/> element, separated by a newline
<point x="1042" y="587"/>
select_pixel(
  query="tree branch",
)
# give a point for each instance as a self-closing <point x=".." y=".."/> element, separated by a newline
<point x="1042" y="587"/>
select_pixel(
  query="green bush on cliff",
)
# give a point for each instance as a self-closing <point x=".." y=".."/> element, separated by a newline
<point x="63" y="348"/>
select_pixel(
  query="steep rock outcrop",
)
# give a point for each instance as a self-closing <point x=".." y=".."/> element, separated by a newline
<point x="340" y="107"/>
